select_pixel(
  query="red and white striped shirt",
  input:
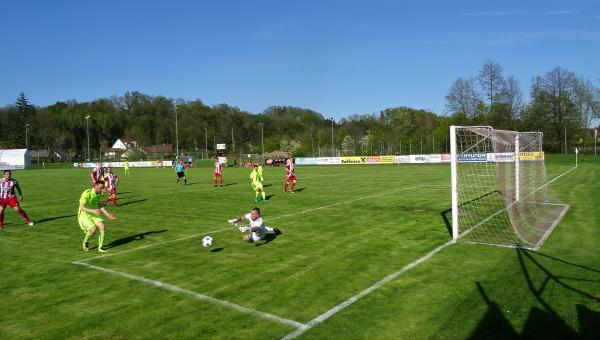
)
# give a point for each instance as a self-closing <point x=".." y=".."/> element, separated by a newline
<point x="218" y="167"/>
<point x="96" y="174"/>
<point x="110" y="179"/>
<point x="290" y="169"/>
<point x="7" y="188"/>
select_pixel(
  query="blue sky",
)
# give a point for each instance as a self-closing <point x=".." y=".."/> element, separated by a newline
<point x="335" y="57"/>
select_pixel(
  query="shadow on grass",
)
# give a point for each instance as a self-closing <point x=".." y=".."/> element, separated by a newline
<point x="128" y="239"/>
<point x="299" y="190"/>
<point x="447" y="220"/>
<point x="216" y="250"/>
<point x="228" y="184"/>
<point x="544" y="322"/>
<point x="268" y="196"/>
<point x="132" y="202"/>
<point x="447" y="214"/>
<point x="268" y="238"/>
<point x="53" y="218"/>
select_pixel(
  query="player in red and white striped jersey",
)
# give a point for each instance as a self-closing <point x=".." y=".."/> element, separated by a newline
<point x="290" y="175"/>
<point x="218" y="172"/>
<point x="96" y="174"/>
<point x="110" y="181"/>
<point x="8" y="197"/>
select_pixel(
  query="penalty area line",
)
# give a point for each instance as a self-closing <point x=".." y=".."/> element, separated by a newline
<point x="197" y="296"/>
<point x="312" y="323"/>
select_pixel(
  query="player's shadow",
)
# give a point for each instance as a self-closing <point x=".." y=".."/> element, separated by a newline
<point x="268" y="197"/>
<point x="266" y="185"/>
<point x="299" y="189"/>
<point x="128" y="239"/>
<point x="123" y="192"/>
<point x="268" y="238"/>
<point x="53" y="218"/>
<point x="228" y="184"/>
<point x="132" y="202"/>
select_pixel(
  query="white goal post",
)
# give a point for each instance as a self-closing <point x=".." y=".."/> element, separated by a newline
<point x="500" y="190"/>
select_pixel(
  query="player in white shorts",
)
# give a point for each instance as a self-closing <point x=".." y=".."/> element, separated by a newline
<point x="258" y="230"/>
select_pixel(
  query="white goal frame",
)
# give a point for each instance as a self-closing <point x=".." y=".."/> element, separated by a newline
<point x="521" y="199"/>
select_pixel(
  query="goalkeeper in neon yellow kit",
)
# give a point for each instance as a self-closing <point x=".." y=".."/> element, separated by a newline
<point x="257" y="179"/>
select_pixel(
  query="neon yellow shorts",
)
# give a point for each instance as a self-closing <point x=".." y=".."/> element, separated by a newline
<point x="257" y="186"/>
<point x="86" y="221"/>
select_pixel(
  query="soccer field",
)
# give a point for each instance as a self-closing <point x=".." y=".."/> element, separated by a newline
<point x="364" y="253"/>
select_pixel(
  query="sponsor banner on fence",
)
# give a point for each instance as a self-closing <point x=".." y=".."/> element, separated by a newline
<point x="387" y="159"/>
<point x="306" y="161"/>
<point x="531" y="156"/>
<point x="501" y="157"/>
<point x="354" y="160"/>
<point x="435" y="158"/>
<point x="146" y="164"/>
<point x="402" y="159"/>
<point x="472" y="157"/>
<point x="419" y="158"/>
<point x="373" y="159"/>
<point x="329" y="160"/>
<point x="446" y="158"/>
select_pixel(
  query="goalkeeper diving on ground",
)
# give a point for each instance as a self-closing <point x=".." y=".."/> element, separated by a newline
<point x="257" y="228"/>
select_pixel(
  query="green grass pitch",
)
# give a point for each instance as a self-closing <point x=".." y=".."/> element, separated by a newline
<point x="347" y="228"/>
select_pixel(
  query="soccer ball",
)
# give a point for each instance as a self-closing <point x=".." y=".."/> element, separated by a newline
<point x="207" y="241"/>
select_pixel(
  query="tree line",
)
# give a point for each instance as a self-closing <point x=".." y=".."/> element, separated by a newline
<point x="562" y="103"/>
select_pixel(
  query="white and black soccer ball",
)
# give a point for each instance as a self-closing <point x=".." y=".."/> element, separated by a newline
<point x="207" y="241"/>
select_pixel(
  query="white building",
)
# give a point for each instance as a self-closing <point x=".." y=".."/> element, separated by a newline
<point x="15" y="159"/>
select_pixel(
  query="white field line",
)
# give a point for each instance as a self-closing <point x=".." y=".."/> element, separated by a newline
<point x="379" y="283"/>
<point x="365" y="292"/>
<point x="197" y="296"/>
<point x="274" y="218"/>
<point x="300" y="327"/>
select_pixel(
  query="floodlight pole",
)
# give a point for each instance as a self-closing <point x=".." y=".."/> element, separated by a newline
<point x="262" y="137"/>
<point x="26" y="139"/>
<point x="565" y="141"/>
<point x="595" y="139"/>
<point x="87" y="131"/>
<point x="176" y="135"/>
<point x="332" y="145"/>
<point x="206" y="142"/>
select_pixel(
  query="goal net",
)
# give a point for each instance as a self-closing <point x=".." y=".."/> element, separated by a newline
<point x="500" y="190"/>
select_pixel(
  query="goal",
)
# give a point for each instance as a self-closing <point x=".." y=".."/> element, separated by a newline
<point x="500" y="190"/>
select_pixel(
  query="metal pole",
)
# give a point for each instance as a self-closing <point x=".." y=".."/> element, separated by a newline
<point x="206" y="142"/>
<point x="87" y="131"/>
<point x="262" y="137"/>
<point x="454" y="181"/>
<point x="595" y="138"/>
<point x="421" y="145"/>
<point x="410" y="146"/>
<point x="517" y="169"/>
<point x="26" y="139"/>
<point x="176" y="135"/>
<point x="332" y="146"/>
<point x="232" y="141"/>
<point x="565" y="141"/>
<point x="433" y="144"/>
